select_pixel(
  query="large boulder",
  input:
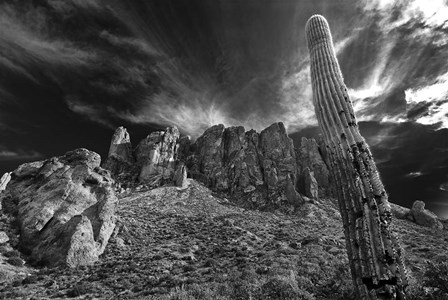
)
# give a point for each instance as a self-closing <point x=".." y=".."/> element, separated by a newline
<point x="425" y="217"/>
<point x="64" y="207"/>
<point x="401" y="212"/>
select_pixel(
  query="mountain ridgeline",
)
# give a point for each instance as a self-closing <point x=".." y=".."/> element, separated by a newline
<point x="260" y="170"/>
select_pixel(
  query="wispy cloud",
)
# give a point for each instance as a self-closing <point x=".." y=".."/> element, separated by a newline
<point x="91" y="112"/>
<point x="434" y="98"/>
<point x="18" y="154"/>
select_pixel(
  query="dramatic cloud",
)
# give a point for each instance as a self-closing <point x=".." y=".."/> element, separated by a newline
<point x="72" y="71"/>
<point x="409" y="39"/>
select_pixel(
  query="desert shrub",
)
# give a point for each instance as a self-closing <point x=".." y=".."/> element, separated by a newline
<point x="15" y="261"/>
<point x="337" y="284"/>
<point x="12" y="253"/>
<point x="80" y="289"/>
<point x="436" y="278"/>
<point x="30" y="279"/>
<point x="192" y="292"/>
<point x="278" y="289"/>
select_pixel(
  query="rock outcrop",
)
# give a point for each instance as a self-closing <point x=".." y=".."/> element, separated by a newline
<point x="156" y="156"/>
<point x="260" y="169"/>
<point x="120" y="160"/>
<point x="257" y="168"/>
<point x="401" y="212"/>
<point x="424" y="217"/>
<point x="64" y="207"/>
<point x="4" y="181"/>
<point x="152" y="163"/>
<point x="180" y="176"/>
<point x="310" y="157"/>
<point x="311" y="185"/>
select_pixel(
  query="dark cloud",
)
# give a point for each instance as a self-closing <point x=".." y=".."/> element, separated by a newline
<point x="72" y="71"/>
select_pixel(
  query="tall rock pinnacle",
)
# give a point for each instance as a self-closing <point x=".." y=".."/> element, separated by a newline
<point x="375" y="256"/>
<point x="120" y="145"/>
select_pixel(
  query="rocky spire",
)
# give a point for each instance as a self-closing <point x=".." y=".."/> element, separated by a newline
<point x="375" y="257"/>
<point x="120" y="145"/>
<point x="156" y="156"/>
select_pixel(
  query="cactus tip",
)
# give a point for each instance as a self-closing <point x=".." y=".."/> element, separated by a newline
<point x="317" y="30"/>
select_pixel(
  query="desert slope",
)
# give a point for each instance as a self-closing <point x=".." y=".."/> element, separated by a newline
<point x="174" y="243"/>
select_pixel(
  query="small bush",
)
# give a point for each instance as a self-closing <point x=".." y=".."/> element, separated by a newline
<point x="15" y="261"/>
<point x="12" y="253"/>
<point x="277" y="289"/>
<point x="30" y="279"/>
<point x="79" y="289"/>
<point x="436" y="278"/>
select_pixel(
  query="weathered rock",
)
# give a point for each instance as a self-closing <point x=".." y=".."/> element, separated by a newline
<point x="400" y="212"/>
<point x="425" y="217"/>
<point x="208" y="156"/>
<point x="120" y="161"/>
<point x="121" y="146"/>
<point x="311" y="186"/>
<point x="3" y="237"/>
<point x="156" y="157"/>
<point x="279" y="158"/>
<point x="183" y="149"/>
<point x="180" y="176"/>
<point x="259" y="167"/>
<point x="64" y="207"/>
<point x="310" y="155"/>
<point x="4" y="181"/>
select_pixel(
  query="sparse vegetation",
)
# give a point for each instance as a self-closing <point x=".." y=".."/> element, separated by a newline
<point x="206" y="250"/>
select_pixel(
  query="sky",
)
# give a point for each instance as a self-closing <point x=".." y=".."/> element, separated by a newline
<point x="73" y="71"/>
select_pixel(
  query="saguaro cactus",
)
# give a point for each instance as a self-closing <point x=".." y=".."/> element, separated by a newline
<point x="375" y="256"/>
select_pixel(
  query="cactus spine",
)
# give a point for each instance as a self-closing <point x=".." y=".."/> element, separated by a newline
<point x="375" y="256"/>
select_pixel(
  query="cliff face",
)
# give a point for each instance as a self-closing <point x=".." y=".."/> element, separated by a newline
<point x="259" y="169"/>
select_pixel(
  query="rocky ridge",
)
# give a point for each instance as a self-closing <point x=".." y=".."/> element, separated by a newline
<point x="61" y="212"/>
<point x="261" y="170"/>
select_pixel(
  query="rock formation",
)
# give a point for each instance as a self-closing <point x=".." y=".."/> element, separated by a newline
<point x="4" y="181"/>
<point x="155" y="156"/>
<point x="180" y="176"/>
<point x="64" y="207"/>
<point x="310" y="156"/>
<point x="311" y="186"/>
<point x="260" y="169"/>
<point x="424" y="217"/>
<point x="152" y="163"/>
<point x="375" y="256"/>
<point x="120" y="161"/>
<point x="257" y="168"/>
<point x="401" y="212"/>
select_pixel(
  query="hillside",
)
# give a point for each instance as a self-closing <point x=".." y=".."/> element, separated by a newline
<point x="174" y="243"/>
